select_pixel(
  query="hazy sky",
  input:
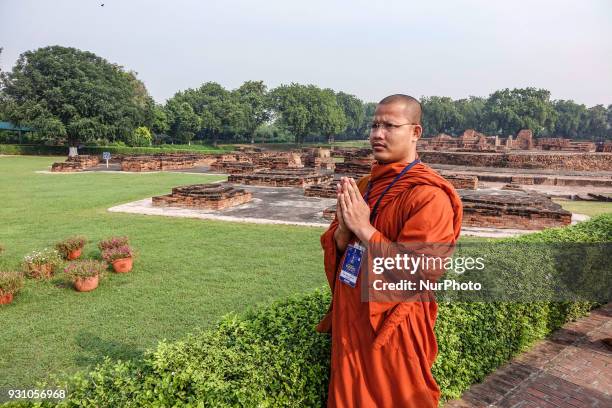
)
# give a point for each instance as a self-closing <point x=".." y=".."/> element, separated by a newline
<point x="370" y="48"/>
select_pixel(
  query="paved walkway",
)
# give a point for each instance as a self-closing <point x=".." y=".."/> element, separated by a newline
<point x="572" y="368"/>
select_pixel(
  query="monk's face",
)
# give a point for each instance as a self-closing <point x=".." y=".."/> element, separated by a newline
<point x="391" y="143"/>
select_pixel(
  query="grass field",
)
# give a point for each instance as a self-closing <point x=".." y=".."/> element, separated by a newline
<point x="590" y="208"/>
<point x="188" y="273"/>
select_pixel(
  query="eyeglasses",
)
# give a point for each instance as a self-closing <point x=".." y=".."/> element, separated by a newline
<point x="387" y="126"/>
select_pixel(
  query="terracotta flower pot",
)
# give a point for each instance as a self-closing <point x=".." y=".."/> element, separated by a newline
<point x="41" y="271"/>
<point x="122" y="265"/>
<point x="6" y="299"/>
<point x="74" y="254"/>
<point x="86" y="284"/>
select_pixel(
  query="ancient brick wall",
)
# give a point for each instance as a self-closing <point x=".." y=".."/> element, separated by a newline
<point x="215" y="196"/>
<point x="536" y="160"/>
<point x="282" y="178"/>
<point x="511" y="209"/>
<point x="158" y="162"/>
<point x="327" y="190"/>
<point x="354" y="168"/>
<point x="76" y="163"/>
<point x="462" y="182"/>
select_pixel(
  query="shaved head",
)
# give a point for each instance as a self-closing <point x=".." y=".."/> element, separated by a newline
<point x="412" y="107"/>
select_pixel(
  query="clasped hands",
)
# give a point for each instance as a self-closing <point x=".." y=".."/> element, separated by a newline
<point x="352" y="214"/>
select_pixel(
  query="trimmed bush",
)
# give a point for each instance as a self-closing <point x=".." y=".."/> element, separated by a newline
<point x="42" y="150"/>
<point x="272" y="356"/>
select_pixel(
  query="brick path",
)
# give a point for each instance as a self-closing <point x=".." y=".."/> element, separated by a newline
<point x="572" y="368"/>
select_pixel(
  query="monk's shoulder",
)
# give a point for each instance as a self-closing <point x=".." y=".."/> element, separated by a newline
<point x="423" y="195"/>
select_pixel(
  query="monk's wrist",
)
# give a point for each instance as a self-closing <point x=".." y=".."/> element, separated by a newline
<point x="364" y="233"/>
<point x="343" y="231"/>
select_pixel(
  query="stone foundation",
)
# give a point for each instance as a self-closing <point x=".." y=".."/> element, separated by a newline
<point x="318" y="158"/>
<point x="514" y="209"/>
<point x="558" y="161"/>
<point x="526" y="179"/>
<point x="327" y="190"/>
<point x="76" y="163"/>
<point x="282" y="178"/>
<point x="462" y="182"/>
<point x="158" y="162"/>
<point x="241" y="168"/>
<point x="214" y="196"/>
<point x="511" y="209"/>
<point x="284" y="161"/>
<point x="330" y="213"/>
<point x="355" y="168"/>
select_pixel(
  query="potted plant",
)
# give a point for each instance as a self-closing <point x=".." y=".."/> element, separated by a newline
<point x="10" y="283"/>
<point x="112" y="242"/>
<point x="85" y="274"/>
<point x="120" y="257"/>
<point x="42" y="264"/>
<point x="71" y="248"/>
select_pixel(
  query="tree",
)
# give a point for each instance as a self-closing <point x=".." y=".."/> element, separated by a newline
<point x="307" y="110"/>
<point x="183" y="121"/>
<point x="470" y="113"/>
<point x="252" y="97"/>
<point x="327" y="115"/>
<point x="596" y="122"/>
<point x="292" y="106"/>
<point x="369" y="108"/>
<point x="74" y="96"/>
<point x="354" y="112"/>
<point x="440" y="115"/>
<point x="220" y="112"/>
<point x="140" y="137"/>
<point x="160" y="123"/>
<point x="570" y="117"/>
<point x="609" y="120"/>
<point x="509" y="111"/>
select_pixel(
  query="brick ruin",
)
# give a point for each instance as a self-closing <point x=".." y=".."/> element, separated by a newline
<point x="357" y="162"/>
<point x="330" y="213"/>
<point x="512" y="208"/>
<point x="213" y="196"/>
<point x="284" y="161"/>
<point x="462" y="182"/>
<point x="523" y="160"/>
<point x="318" y="158"/>
<point x="355" y="168"/>
<point x="470" y="140"/>
<point x="327" y="190"/>
<point x="160" y="161"/>
<point x="255" y="161"/>
<point x="282" y="178"/>
<point x="315" y="158"/>
<point x="76" y="163"/>
<point x="473" y="141"/>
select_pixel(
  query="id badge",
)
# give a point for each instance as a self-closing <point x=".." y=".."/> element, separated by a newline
<point x="352" y="264"/>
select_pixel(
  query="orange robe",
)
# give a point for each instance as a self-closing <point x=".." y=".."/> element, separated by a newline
<point x="382" y="353"/>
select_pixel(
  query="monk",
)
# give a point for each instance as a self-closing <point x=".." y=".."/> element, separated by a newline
<point x="382" y="352"/>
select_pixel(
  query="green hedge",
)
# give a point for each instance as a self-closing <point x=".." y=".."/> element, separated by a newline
<point x="272" y="357"/>
<point x="42" y="150"/>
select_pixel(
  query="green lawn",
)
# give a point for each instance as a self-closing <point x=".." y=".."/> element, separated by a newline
<point x="188" y="273"/>
<point x="590" y="208"/>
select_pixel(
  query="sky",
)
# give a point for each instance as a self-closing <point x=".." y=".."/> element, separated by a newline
<point x="370" y="49"/>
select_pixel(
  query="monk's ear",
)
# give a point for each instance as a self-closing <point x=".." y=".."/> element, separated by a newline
<point x="417" y="131"/>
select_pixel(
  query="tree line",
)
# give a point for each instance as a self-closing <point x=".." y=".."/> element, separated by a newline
<point x="72" y="97"/>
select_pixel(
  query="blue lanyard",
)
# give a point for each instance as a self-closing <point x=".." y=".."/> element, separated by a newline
<point x="399" y="176"/>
